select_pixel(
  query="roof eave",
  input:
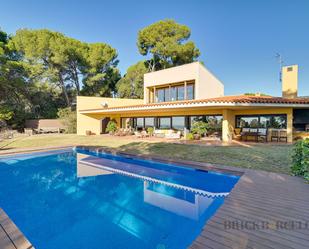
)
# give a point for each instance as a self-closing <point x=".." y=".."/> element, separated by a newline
<point x="177" y="106"/>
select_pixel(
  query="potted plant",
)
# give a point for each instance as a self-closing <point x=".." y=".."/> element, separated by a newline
<point x="150" y="131"/>
<point x="198" y="129"/>
<point x="111" y="127"/>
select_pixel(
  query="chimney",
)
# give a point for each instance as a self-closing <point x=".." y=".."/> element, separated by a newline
<point x="289" y="78"/>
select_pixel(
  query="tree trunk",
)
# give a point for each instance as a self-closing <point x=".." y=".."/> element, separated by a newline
<point x="76" y="81"/>
<point x="64" y="90"/>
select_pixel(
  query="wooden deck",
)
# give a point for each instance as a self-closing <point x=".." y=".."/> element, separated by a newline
<point x="268" y="210"/>
<point x="10" y="236"/>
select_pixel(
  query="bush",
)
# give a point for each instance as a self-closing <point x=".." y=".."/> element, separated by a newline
<point x="300" y="157"/>
<point x="68" y="118"/>
<point x="199" y="127"/>
<point x="111" y="127"/>
<point x="150" y="131"/>
<point x="189" y="136"/>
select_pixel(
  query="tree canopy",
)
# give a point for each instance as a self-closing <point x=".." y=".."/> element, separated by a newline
<point x="131" y="85"/>
<point x="42" y="71"/>
<point x="69" y="63"/>
<point x="167" y="43"/>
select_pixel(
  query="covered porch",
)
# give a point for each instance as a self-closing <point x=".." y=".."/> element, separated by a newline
<point x="229" y="122"/>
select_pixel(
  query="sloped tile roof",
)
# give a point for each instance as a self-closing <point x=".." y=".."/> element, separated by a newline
<point x="238" y="99"/>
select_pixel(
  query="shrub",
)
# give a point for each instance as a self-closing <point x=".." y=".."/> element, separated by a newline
<point x="199" y="127"/>
<point x="150" y="131"/>
<point x="111" y="127"/>
<point x="189" y="136"/>
<point x="68" y="118"/>
<point x="300" y="158"/>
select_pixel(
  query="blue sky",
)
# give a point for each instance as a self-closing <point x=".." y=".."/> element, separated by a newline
<point x="237" y="39"/>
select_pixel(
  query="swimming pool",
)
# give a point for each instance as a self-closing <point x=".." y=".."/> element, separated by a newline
<point x="84" y="200"/>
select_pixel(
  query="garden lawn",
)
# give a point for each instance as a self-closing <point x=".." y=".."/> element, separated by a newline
<point x="268" y="157"/>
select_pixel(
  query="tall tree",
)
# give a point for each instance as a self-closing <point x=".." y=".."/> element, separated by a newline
<point x="166" y="42"/>
<point x="101" y="73"/>
<point x="72" y="65"/>
<point x="131" y="85"/>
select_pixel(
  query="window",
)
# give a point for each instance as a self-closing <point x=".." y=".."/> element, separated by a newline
<point x="173" y="93"/>
<point x="139" y="123"/>
<point x="178" y="123"/>
<point x="149" y="122"/>
<point x="190" y="91"/>
<point x="160" y="95"/>
<point x="214" y="122"/>
<point x="164" y="123"/>
<point x="262" y="121"/>
<point x="180" y="93"/>
<point x="252" y="122"/>
<point x="166" y="94"/>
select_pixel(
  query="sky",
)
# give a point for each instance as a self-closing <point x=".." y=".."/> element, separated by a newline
<point x="238" y="40"/>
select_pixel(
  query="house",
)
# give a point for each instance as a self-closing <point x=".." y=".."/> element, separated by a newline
<point x="175" y="97"/>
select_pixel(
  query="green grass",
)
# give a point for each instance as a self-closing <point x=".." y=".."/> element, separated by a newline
<point x="268" y="157"/>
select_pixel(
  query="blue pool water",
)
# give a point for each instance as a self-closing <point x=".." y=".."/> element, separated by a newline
<point x="82" y="200"/>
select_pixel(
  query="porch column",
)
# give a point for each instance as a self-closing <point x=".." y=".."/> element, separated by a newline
<point x="228" y="124"/>
<point x="289" y="125"/>
<point x="185" y="90"/>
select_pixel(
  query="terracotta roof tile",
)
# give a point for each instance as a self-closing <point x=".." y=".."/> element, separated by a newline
<point x="241" y="99"/>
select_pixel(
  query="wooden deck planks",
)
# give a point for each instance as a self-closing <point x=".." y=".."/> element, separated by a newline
<point x="261" y="197"/>
<point x="11" y="236"/>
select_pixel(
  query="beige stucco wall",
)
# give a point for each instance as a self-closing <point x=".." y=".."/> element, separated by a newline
<point x="289" y="81"/>
<point x="206" y="84"/>
<point x="92" y="122"/>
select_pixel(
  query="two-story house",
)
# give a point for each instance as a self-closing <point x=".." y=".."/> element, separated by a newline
<point x="175" y="97"/>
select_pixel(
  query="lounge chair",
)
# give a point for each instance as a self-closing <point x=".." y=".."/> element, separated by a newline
<point x="172" y="134"/>
<point x="144" y="134"/>
<point x="137" y="134"/>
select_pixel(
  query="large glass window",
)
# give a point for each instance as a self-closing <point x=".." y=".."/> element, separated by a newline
<point x="178" y="123"/>
<point x="173" y="93"/>
<point x="164" y="123"/>
<point x="261" y="121"/>
<point x="149" y="122"/>
<point x="214" y="122"/>
<point x="166" y="94"/>
<point x="160" y="95"/>
<point x="252" y="122"/>
<point x="180" y="93"/>
<point x="190" y="91"/>
<point x="139" y="123"/>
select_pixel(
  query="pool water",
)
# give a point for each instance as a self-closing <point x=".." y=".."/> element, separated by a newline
<point x="83" y="200"/>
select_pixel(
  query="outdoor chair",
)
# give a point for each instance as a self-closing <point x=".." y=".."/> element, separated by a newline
<point x="172" y="134"/>
<point x="249" y="132"/>
<point x="262" y="133"/>
<point x="144" y="134"/>
<point x="283" y="136"/>
<point x="237" y="134"/>
<point x="307" y="127"/>
<point x="274" y="135"/>
<point x="137" y="134"/>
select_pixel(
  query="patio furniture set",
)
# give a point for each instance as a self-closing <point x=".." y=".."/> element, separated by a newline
<point x="261" y="134"/>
